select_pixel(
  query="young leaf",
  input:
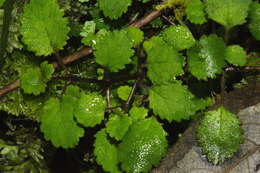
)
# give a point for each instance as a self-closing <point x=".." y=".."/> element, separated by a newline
<point x="207" y="58"/>
<point x="34" y="80"/>
<point x="195" y="12"/>
<point x="254" y="20"/>
<point x="90" y="110"/>
<point x="106" y="153"/>
<point x="143" y="146"/>
<point x="57" y="122"/>
<point x="228" y="12"/>
<point x="162" y="56"/>
<point x="219" y="135"/>
<point x="178" y="37"/>
<point x="174" y="102"/>
<point x="114" y="8"/>
<point x="123" y="92"/>
<point x="138" y="113"/>
<point x="118" y="125"/>
<point x="113" y="50"/>
<point x="44" y="28"/>
<point x="236" y="55"/>
<point x="135" y="35"/>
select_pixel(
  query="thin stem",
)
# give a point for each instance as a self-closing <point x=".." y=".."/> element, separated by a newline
<point x="131" y="95"/>
<point x="222" y="87"/>
<point x="79" y="54"/>
<point x="226" y="36"/>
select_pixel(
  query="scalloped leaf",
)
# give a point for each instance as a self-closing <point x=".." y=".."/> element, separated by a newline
<point x="90" y="110"/>
<point x="236" y="55"/>
<point x="106" y="153"/>
<point x="57" y="122"/>
<point x="113" y="50"/>
<point x="219" y="135"/>
<point x="254" y="20"/>
<point x="174" y="102"/>
<point x="207" y="58"/>
<point x="162" y="56"/>
<point x="34" y="80"/>
<point x="123" y="92"/>
<point x="118" y="125"/>
<point x="143" y="146"/>
<point x="114" y="8"/>
<point x="135" y="35"/>
<point x="228" y="12"/>
<point x="138" y="113"/>
<point x="44" y="29"/>
<point x="195" y="12"/>
<point x="179" y="37"/>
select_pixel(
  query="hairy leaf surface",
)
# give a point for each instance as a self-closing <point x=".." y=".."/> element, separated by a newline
<point x="162" y="56"/>
<point x="113" y="50"/>
<point x="123" y="92"/>
<point x="219" y="135"/>
<point x="44" y="28"/>
<point x="174" y="101"/>
<point x="90" y="110"/>
<point x="135" y="35"/>
<point x="114" y="8"/>
<point x="57" y="122"/>
<point x="228" y="12"/>
<point x="34" y="80"/>
<point x="195" y="12"/>
<point x="106" y="153"/>
<point x="138" y="113"/>
<point x="118" y="125"/>
<point x="254" y="20"/>
<point x="207" y="59"/>
<point x="178" y="37"/>
<point x="236" y="55"/>
<point x="143" y="146"/>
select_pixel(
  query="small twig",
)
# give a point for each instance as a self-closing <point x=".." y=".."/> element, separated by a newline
<point x="145" y="20"/>
<point x="223" y="87"/>
<point x="169" y="21"/>
<point x="82" y="53"/>
<point x="131" y="95"/>
<point x="108" y="99"/>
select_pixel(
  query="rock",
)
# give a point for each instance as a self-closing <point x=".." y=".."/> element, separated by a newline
<point x="186" y="157"/>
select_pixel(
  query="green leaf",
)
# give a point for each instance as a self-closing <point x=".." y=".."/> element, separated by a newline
<point x="135" y="35"/>
<point x="88" y="28"/>
<point x="114" y="8"/>
<point x="144" y="1"/>
<point x="254" y="20"/>
<point x="228" y="12"/>
<point x="195" y="12"/>
<point x="123" y="92"/>
<point x="162" y="56"/>
<point x="118" y="125"/>
<point x="113" y="50"/>
<point x="219" y="135"/>
<point x="178" y="37"/>
<point x="90" y="110"/>
<point x="207" y="58"/>
<point x="106" y="153"/>
<point x="57" y="122"/>
<point x="138" y="113"/>
<point x="174" y="102"/>
<point x="44" y="28"/>
<point x="236" y="55"/>
<point x="143" y="146"/>
<point x="2" y="2"/>
<point x="34" y="80"/>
